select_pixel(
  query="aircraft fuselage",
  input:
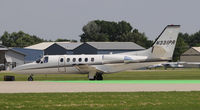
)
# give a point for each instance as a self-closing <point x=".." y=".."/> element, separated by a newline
<point x="70" y="64"/>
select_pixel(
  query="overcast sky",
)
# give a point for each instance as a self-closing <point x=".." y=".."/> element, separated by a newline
<point x="52" y="19"/>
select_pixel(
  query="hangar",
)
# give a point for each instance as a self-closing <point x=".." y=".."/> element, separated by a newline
<point x="61" y="48"/>
<point x="55" y="48"/>
<point x="10" y="58"/>
<point x="40" y="46"/>
<point x="31" y="54"/>
<point x="106" y="47"/>
<point x="191" y="55"/>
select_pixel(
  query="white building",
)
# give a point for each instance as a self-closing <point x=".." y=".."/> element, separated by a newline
<point x="10" y="58"/>
<point x="191" y="55"/>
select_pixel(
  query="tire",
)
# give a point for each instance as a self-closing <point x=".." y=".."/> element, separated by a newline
<point x="99" y="77"/>
<point x="30" y="78"/>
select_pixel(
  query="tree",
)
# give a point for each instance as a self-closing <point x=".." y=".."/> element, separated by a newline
<point x="194" y="39"/>
<point x="113" y="31"/>
<point x="65" y="40"/>
<point x="5" y="38"/>
<point x="19" y="39"/>
<point x="181" y="46"/>
<point x="184" y="42"/>
<point x="93" y="32"/>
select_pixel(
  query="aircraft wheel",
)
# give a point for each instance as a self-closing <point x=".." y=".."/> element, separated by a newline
<point x="30" y="78"/>
<point x="99" y="76"/>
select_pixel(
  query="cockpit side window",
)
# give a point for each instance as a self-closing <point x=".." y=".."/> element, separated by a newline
<point x="92" y="59"/>
<point x="61" y="60"/>
<point x="46" y="59"/>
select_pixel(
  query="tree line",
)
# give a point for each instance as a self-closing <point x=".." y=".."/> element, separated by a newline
<point x="22" y="39"/>
<point x="105" y="31"/>
<point x="184" y="42"/>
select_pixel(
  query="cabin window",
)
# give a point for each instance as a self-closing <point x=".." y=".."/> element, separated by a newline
<point x="86" y="59"/>
<point x="74" y="59"/>
<point x="80" y="59"/>
<point x="68" y="59"/>
<point x="46" y="59"/>
<point x="61" y="60"/>
<point x="92" y="59"/>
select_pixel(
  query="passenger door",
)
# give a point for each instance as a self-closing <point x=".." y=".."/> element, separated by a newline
<point x="61" y="64"/>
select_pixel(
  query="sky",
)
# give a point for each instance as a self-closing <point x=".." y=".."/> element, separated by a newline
<point x="52" y="19"/>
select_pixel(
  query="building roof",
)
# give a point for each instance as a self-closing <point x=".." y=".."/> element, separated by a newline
<point x="192" y="51"/>
<point x="196" y="48"/>
<point x="7" y="49"/>
<point x="115" y="45"/>
<point x="97" y="45"/>
<point x="31" y="54"/>
<point x="69" y="45"/>
<point x="42" y="46"/>
<point x="17" y="51"/>
<point x="3" y="47"/>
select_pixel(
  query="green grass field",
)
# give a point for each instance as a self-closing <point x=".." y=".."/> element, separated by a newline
<point x="177" y="74"/>
<point x="102" y="101"/>
<point x="107" y="100"/>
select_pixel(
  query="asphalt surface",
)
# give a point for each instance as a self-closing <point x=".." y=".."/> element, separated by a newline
<point x="56" y="86"/>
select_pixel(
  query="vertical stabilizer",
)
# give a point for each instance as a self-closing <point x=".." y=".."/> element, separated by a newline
<point x="164" y="45"/>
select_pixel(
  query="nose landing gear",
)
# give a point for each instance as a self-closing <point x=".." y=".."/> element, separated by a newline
<point x="30" y="78"/>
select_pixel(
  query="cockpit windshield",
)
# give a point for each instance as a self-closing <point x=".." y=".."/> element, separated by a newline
<point x="46" y="59"/>
<point x="43" y="60"/>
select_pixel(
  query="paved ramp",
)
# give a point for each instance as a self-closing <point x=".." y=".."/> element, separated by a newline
<point x="96" y="86"/>
<point x="135" y="81"/>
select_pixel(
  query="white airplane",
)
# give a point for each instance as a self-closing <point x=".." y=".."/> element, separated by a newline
<point x="169" y="65"/>
<point x="97" y="65"/>
<point x="174" y="64"/>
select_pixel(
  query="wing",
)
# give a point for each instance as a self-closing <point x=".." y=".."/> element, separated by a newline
<point x="91" y="70"/>
<point x="83" y="68"/>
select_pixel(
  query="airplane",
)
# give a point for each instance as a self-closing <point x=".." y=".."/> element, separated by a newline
<point x="169" y="65"/>
<point x="174" y="64"/>
<point x="97" y="65"/>
<point x="154" y="66"/>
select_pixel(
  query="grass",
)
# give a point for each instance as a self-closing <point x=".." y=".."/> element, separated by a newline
<point x="102" y="101"/>
<point x="107" y="100"/>
<point x="177" y="74"/>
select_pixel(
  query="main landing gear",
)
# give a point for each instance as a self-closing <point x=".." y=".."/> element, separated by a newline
<point x="30" y="78"/>
<point x="97" y="76"/>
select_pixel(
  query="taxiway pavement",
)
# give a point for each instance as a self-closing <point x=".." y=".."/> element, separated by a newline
<point x="52" y="87"/>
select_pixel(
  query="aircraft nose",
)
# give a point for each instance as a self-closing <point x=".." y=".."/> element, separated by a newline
<point x="21" y="68"/>
<point x="16" y="70"/>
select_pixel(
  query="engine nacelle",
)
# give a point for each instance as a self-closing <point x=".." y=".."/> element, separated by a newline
<point x="132" y="59"/>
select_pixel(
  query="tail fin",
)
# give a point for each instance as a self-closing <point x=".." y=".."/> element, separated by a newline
<point x="164" y="45"/>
